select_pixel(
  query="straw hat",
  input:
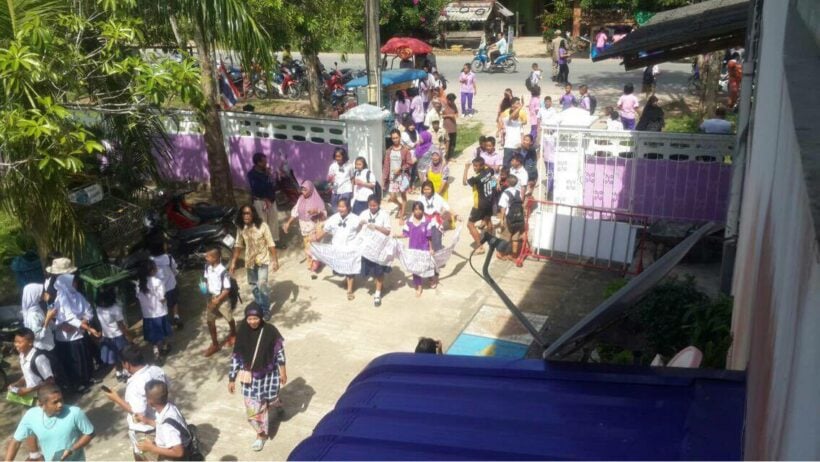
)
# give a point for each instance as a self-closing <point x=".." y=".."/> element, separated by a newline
<point x="61" y="266"/>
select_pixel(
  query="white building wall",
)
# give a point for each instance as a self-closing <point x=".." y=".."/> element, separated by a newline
<point x="776" y="323"/>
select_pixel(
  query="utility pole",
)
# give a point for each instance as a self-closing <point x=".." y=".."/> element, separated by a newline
<point x="372" y="61"/>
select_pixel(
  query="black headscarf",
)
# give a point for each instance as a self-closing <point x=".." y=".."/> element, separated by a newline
<point x="246" y="339"/>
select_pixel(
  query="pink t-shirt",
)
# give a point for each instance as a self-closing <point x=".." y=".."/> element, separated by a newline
<point x="467" y="82"/>
<point x="493" y="160"/>
<point x="628" y="104"/>
<point x="534" y="106"/>
<point x="600" y="40"/>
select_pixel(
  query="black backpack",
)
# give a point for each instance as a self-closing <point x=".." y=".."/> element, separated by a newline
<point x="593" y="103"/>
<point x="515" y="210"/>
<point x="233" y="291"/>
<point x="193" y="451"/>
<point x="528" y="82"/>
<point x="377" y="187"/>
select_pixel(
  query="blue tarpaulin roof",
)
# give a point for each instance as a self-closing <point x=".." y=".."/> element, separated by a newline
<point x="391" y="77"/>
<point x="427" y="407"/>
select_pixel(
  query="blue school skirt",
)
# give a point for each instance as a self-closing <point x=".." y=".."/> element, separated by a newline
<point x="155" y="330"/>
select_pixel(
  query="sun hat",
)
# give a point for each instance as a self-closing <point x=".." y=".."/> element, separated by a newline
<point x="61" y="266"/>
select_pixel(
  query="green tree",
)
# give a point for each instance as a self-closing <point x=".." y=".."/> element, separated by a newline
<point x="52" y="56"/>
<point x="212" y="25"/>
<point x="410" y="18"/>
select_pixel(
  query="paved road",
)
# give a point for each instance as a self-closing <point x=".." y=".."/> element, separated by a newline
<point x="605" y="79"/>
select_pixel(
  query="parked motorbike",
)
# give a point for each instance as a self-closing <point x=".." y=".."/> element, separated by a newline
<point x="506" y="62"/>
<point x="184" y="215"/>
<point x="187" y="246"/>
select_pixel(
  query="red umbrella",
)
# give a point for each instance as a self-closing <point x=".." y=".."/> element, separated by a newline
<point x="396" y="44"/>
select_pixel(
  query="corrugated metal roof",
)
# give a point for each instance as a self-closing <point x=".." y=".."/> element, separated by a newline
<point x="467" y="11"/>
<point x="428" y="407"/>
<point x="700" y="28"/>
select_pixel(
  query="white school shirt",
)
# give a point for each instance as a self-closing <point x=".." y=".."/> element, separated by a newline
<point x="167" y="271"/>
<point x="344" y="230"/>
<point x="435" y="204"/>
<point x="381" y="218"/>
<point x="512" y="130"/>
<point x="153" y="303"/>
<point x="523" y="178"/>
<point x="135" y="395"/>
<point x="504" y="201"/>
<point x="34" y="319"/>
<point x="109" y="317"/>
<point x="43" y="367"/>
<point x="361" y="193"/>
<point x="65" y="315"/>
<point x="217" y="279"/>
<point x="167" y="436"/>
<point x="547" y="114"/>
<point x="342" y="175"/>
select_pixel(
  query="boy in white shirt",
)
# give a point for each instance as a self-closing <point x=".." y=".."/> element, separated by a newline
<point x="510" y="211"/>
<point x="172" y="437"/>
<point x="35" y="365"/>
<point x="517" y="170"/>
<point x="546" y="113"/>
<point x="217" y="286"/>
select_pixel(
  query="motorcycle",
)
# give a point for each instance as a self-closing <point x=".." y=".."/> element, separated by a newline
<point x="506" y="62"/>
<point x="184" y="215"/>
<point x="187" y="246"/>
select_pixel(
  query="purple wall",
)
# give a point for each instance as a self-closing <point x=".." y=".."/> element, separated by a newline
<point x="661" y="188"/>
<point x="189" y="158"/>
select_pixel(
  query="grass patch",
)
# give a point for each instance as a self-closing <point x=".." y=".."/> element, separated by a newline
<point x="468" y="134"/>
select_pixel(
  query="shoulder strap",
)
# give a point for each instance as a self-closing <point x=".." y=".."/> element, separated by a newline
<point x="34" y="369"/>
<point x="256" y="350"/>
<point x="222" y="280"/>
<point x="179" y="427"/>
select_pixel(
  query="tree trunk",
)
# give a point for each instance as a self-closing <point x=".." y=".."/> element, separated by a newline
<point x="218" y="164"/>
<point x="315" y="86"/>
<point x="710" y="77"/>
<point x="576" y="18"/>
<point x="175" y="29"/>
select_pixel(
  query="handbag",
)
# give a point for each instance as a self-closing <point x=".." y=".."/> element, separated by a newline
<point x="245" y="375"/>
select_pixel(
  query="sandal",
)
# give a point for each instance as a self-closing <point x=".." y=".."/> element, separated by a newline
<point x="350" y="296"/>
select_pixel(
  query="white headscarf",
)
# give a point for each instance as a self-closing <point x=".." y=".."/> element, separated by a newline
<point x="32" y="295"/>
<point x="68" y="298"/>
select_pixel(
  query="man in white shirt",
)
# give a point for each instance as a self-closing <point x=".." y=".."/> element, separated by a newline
<point x="35" y="365"/>
<point x="500" y="48"/>
<point x="717" y="125"/>
<point x="173" y="436"/>
<point x="141" y="417"/>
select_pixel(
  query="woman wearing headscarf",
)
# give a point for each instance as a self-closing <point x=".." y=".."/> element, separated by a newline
<point x="310" y="210"/>
<point x="258" y="364"/>
<point x="651" y="117"/>
<point x="73" y="314"/>
<point x="36" y="319"/>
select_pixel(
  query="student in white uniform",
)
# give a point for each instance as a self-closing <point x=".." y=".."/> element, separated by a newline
<point x="364" y="184"/>
<point x="378" y="220"/>
<point x="173" y="437"/>
<point x="344" y="226"/>
<point x="35" y="365"/>
<point x="340" y="177"/>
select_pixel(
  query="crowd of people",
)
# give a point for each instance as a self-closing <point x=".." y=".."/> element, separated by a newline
<point x="65" y="339"/>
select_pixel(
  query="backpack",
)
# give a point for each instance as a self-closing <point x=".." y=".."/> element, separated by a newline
<point x="56" y="369"/>
<point x="515" y="210"/>
<point x="528" y="82"/>
<point x="377" y="188"/>
<point x="233" y="290"/>
<point x="593" y="103"/>
<point x="193" y="450"/>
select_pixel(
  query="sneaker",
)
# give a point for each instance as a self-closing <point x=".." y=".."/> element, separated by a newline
<point x="258" y="444"/>
<point x="377" y="301"/>
<point x="211" y="350"/>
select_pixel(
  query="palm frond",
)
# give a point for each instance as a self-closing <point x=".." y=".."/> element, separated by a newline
<point x="15" y="15"/>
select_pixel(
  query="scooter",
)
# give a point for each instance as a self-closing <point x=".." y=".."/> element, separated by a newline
<point x="183" y="215"/>
<point x="187" y="246"/>
<point x="506" y="62"/>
